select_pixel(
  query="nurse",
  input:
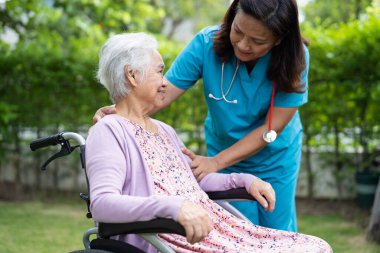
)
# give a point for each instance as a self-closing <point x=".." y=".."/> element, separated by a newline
<point x="254" y="68"/>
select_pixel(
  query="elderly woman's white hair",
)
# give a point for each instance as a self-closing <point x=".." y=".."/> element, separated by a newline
<point x="120" y="51"/>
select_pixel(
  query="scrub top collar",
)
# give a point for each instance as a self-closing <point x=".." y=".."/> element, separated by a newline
<point x="260" y="67"/>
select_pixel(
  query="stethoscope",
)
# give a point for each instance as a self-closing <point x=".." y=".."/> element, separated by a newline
<point x="270" y="135"/>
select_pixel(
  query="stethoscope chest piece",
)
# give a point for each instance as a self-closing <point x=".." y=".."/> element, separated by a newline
<point x="269" y="136"/>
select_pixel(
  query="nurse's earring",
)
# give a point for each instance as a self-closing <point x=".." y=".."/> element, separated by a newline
<point x="277" y="42"/>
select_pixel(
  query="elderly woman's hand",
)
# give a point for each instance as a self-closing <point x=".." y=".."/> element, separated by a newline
<point x="195" y="220"/>
<point x="101" y="112"/>
<point x="201" y="165"/>
<point x="264" y="193"/>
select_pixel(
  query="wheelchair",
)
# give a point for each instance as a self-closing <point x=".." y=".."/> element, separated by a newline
<point x="148" y="230"/>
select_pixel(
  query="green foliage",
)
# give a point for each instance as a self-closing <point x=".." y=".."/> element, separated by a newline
<point x="51" y="68"/>
<point x="47" y="78"/>
<point x="344" y="84"/>
<point x="335" y="11"/>
<point x="114" y="16"/>
<point x="344" y="79"/>
<point x="207" y="12"/>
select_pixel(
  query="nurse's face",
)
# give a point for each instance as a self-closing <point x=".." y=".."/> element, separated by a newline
<point x="250" y="38"/>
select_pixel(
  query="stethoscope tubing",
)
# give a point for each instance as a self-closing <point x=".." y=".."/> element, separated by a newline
<point x="269" y="135"/>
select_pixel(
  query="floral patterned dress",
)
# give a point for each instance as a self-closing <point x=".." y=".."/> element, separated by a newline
<point x="230" y="234"/>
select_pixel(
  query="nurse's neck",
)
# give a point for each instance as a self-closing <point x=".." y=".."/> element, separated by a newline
<point x="250" y="65"/>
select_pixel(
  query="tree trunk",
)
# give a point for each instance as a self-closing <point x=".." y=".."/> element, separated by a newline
<point x="1" y="176"/>
<point x="363" y="134"/>
<point x="37" y="164"/>
<point x="357" y="8"/>
<point x="174" y="24"/>
<point x="374" y="223"/>
<point x="76" y="167"/>
<point x="55" y="170"/>
<point x="338" y="161"/>
<point x="16" y="158"/>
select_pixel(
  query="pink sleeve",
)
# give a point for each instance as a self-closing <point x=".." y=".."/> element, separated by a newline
<point x="221" y="182"/>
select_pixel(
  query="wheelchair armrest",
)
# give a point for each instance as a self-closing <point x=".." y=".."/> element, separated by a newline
<point x="232" y="194"/>
<point x="159" y="225"/>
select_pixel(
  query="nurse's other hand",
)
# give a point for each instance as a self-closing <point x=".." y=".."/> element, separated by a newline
<point x="101" y="112"/>
<point x="201" y="165"/>
<point x="195" y="221"/>
<point x="264" y="193"/>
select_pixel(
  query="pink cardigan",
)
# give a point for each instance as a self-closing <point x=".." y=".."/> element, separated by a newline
<point x="121" y="186"/>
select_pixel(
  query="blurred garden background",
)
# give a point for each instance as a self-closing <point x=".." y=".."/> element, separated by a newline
<point x="48" y="58"/>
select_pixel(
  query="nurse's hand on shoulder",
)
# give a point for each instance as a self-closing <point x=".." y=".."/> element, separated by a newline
<point x="101" y="112"/>
<point x="264" y="193"/>
<point x="201" y="165"/>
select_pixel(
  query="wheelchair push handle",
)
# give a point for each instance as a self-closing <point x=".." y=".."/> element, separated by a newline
<point x="46" y="141"/>
<point x="63" y="140"/>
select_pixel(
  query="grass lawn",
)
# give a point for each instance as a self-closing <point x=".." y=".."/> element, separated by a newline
<point x="31" y="227"/>
<point x="343" y="235"/>
<point x="34" y="227"/>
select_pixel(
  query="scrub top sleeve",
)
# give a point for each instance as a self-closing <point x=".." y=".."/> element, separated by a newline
<point x="284" y="99"/>
<point x="187" y="67"/>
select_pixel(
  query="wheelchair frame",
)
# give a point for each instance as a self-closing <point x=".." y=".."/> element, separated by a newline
<point x="147" y="229"/>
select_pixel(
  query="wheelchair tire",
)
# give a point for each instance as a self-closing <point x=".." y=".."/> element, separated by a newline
<point x="91" y="251"/>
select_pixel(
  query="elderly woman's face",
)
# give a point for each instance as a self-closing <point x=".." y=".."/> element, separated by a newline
<point x="152" y="86"/>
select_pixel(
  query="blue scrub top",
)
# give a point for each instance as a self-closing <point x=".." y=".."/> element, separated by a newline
<point x="227" y="123"/>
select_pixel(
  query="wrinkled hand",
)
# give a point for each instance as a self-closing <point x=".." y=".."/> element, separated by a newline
<point x="101" y="112"/>
<point x="195" y="220"/>
<point x="264" y="193"/>
<point x="201" y="165"/>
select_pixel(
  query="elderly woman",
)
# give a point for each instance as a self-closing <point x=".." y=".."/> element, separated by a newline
<point x="137" y="171"/>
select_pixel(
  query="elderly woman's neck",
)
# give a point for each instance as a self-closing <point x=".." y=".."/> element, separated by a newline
<point x="133" y="112"/>
<point x="129" y="108"/>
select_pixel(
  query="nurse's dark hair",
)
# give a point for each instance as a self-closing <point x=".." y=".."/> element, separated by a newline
<point x="281" y="17"/>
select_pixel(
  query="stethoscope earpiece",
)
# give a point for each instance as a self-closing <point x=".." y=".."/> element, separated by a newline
<point x="224" y="95"/>
<point x="218" y="99"/>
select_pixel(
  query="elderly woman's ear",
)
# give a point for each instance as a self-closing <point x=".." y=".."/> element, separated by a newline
<point x="130" y="76"/>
